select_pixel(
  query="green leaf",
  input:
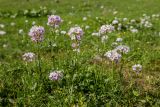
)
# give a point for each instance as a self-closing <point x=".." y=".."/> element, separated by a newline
<point x="136" y="93"/>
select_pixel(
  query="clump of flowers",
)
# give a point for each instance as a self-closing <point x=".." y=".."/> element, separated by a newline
<point x="133" y="30"/>
<point x="95" y="34"/>
<point x="84" y="18"/>
<point x="37" y="33"/>
<point x="63" y="32"/>
<point x="145" y="22"/>
<point x="125" y="19"/>
<point x="29" y="57"/>
<point x="115" y="21"/>
<point x="113" y="55"/>
<point x="122" y="49"/>
<point x="75" y="34"/>
<point x="55" y="75"/>
<point x="2" y="26"/>
<point x="104" y="30"/>
<point x="13" y="24"/>
<point x="137" y="68"/>
<point x="33" y="23"/>
<point x="54" y="21"/>
<point x="2" y="32"/>
<point x="21" y="31"/>
<point x="119" y="40"/>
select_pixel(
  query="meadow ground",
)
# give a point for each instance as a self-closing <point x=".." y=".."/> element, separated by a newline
<point x="57" y="76"/>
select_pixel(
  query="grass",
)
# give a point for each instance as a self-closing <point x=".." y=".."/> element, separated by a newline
<point x="87" y="80"/>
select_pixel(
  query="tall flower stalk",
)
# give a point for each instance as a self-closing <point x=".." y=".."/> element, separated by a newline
<point x="114" y="57"/>
<point x="39" y="58"/>
<point x="104" y="30"/>
<point x="103" y="33"/>
<point x="53" y="21"/>
<point x="75" y="34"/>
<point x="37" y="35"/>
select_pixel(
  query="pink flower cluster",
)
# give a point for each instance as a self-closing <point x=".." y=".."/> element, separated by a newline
<point x="137" y="68"/>
<point x="37" y="33"/>
<point x="55" y="75"/>
<point x="106" y="29"/>
<point x="113" y="56"/>
<point x="29" y="57"/>
<point x="123" y="49"/>
<point x="75" y="34"/>
<point x="54" y="21"/>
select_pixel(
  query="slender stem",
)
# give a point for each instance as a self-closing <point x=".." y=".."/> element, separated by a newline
<point x="51" y="44"/>
<point x="112" y="69"/>
<point x="39" y="60"/>
<point x="120" y="72"/>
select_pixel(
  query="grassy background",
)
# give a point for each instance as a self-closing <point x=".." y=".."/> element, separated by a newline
<point x="86" y="83"/>
<point x="127" y="8"/>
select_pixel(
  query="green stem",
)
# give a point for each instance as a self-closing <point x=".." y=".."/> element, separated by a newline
<point x="39" y="60"/>
<point x="112" y="69"/>
<point x="120" y="72"/>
